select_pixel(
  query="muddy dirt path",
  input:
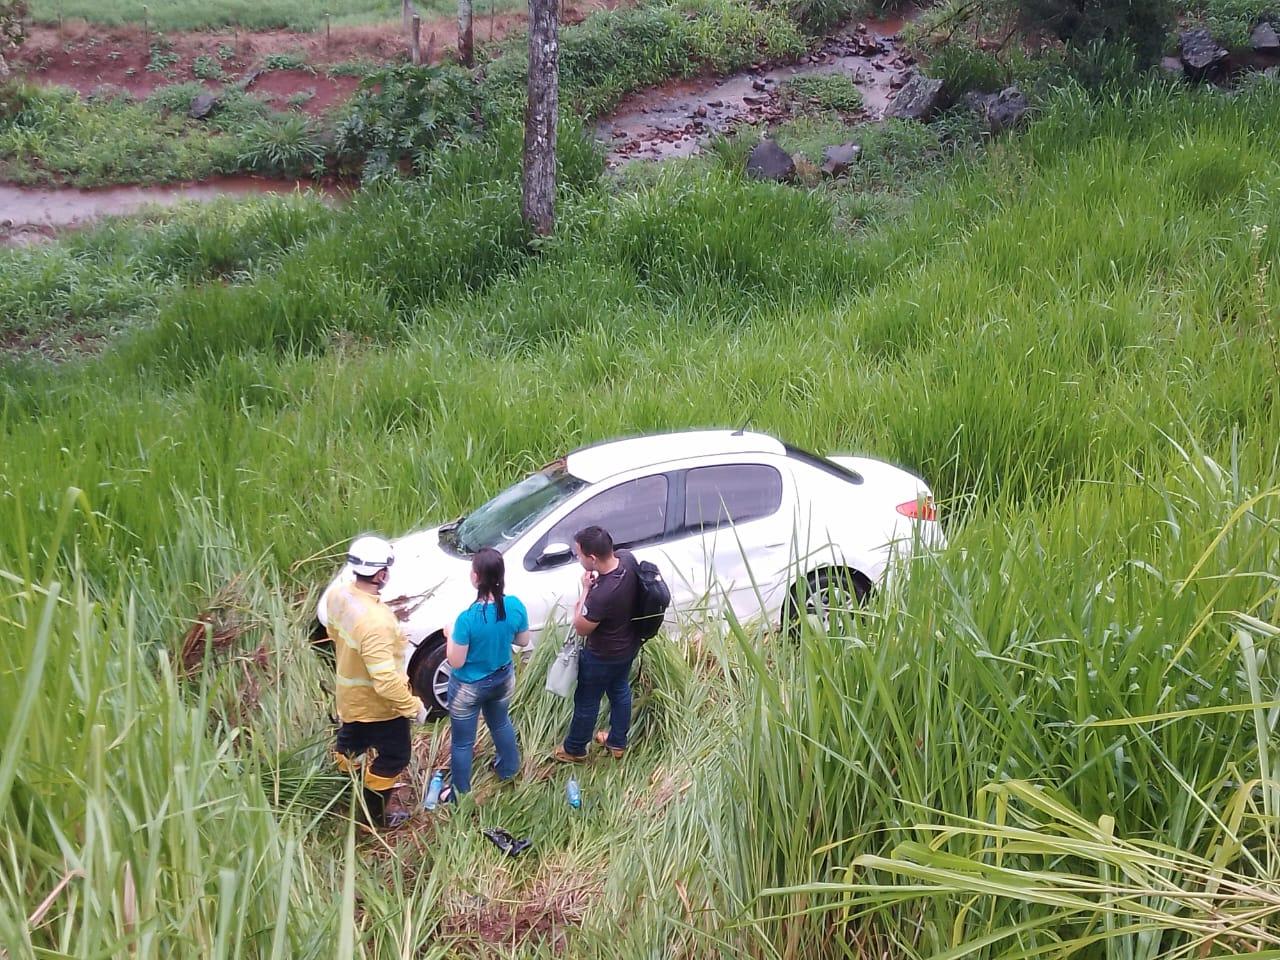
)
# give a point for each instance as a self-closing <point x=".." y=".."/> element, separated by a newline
<point x="677" y="119"/>
<point x="33" y="214"/>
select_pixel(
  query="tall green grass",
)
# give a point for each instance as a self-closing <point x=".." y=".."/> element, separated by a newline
<point x="1103" y="650"/>
<point x="1074" y="341"/>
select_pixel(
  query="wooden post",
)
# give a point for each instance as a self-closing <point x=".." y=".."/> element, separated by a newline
<point x="466" y="45"/>
<point x="146" y="20"/>
<point x="429" y="56"/>
<point x="492" y="4"/>
<point x="538" y="194"/>
<point x="406" y="13"/>
<point x="415" y="41"/>
<point x="328" y="35"/>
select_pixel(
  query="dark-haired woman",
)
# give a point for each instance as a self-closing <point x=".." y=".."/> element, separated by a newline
<point x="483" y="676"/>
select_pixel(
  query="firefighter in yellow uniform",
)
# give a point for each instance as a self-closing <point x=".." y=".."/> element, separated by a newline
<point x="375" y="704"/>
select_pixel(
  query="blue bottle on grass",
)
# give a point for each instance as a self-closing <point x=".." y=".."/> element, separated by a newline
<point x="573" y="794"/>
<point x="432" y="799"/>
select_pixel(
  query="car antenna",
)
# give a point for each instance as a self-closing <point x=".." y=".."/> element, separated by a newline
<point x="747" y="422"/>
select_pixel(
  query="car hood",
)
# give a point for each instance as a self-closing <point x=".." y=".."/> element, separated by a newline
<point x="425" y="582"/>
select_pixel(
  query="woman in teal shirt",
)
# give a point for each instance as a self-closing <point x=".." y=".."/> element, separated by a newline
<point x="483" y="677"/>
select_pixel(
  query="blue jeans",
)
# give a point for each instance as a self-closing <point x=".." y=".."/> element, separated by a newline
<point x="491" y="696"/>
<point x="596" y="678"/>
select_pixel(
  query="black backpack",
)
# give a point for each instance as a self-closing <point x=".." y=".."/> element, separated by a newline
<point x="652" y="599"/>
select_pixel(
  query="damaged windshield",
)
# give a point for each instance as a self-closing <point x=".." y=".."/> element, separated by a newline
<point x="516" y="509"/>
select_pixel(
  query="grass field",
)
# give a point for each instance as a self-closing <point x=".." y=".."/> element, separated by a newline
<point x="304" y="15"/>
<point x="1059" y="740"/>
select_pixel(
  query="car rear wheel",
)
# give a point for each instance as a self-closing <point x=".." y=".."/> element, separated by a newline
<point x="429" y="676"/>
<point x="829" y="596"/>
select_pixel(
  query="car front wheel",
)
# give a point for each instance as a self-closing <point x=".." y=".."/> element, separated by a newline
<point x="429" y="677"/>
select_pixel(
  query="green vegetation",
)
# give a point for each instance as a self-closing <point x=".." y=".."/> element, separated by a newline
<point x="614" y="52"/>
<point x="305" y="15"/>
<point x="51" y="134"/>
<point x="402" y="114"/>
<point x="1233" y="20"/>
<point x="286" y="61"/>
<point x="208" y="68"/>
<point x="285" y="146"/>
<point x="825" y="91"/>
<point x="1074" y="340"/>
<point x="1140" y="28"/>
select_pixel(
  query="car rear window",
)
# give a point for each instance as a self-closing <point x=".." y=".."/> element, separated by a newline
<point x="732" y="493"/>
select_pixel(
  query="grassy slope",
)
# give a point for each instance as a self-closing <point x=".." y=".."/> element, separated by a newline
<point x="1075" y="343"/>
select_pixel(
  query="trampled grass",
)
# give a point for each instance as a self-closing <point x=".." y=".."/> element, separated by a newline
<point x="1075" y="342"/>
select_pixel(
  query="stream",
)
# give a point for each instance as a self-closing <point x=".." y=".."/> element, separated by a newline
<point x="675" y="119"/>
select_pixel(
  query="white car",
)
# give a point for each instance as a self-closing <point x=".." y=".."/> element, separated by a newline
<point x="731" y="519"/>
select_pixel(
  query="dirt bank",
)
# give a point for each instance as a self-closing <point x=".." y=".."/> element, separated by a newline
<point x="85" y="57"/>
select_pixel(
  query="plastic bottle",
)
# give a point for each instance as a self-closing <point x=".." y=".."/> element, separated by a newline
<point x="572" y="793"/>
<point x="432" y="799"/>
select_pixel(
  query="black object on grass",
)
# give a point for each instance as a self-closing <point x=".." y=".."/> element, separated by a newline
<point x="507" y="843"/>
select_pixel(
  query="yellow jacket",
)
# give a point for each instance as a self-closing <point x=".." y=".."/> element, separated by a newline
<point x="371" y="683"/>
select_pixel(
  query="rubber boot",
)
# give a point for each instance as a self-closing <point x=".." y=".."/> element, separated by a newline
<point x="375" y="802"/>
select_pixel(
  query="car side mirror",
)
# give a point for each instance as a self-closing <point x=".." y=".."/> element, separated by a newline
<point x="556" y="552"/>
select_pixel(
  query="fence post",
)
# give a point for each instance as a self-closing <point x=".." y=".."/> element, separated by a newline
<point x="415" y="41"/>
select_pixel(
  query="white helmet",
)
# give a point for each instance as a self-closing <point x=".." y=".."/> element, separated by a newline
<point x="367" y="555"/>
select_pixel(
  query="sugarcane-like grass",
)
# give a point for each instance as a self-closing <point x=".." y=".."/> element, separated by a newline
<point x="1055" y="738"/>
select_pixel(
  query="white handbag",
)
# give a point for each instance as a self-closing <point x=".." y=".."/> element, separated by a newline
<point x="562" y="675"/>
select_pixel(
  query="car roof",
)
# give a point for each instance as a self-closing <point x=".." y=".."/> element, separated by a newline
<point x="605" y="460"/>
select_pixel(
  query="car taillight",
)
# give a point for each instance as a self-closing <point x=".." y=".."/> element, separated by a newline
<point x="922" y="509"/>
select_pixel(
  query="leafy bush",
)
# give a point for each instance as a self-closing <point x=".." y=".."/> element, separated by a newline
<point x="285" y="146"/>
<point x="827" y="91"/>
<point x="207" y="68"/>
<point x="286" y="61"/>
<point x="401" y="113"/>
<point x="163" y="58"/>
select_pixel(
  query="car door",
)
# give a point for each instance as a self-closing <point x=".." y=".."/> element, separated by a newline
<point x="736" y="516"/>
<point x="634" y="511"/>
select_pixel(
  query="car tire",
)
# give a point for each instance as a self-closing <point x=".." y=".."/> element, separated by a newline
<point x="429" y="678"/>
<point x="825" y="590"/>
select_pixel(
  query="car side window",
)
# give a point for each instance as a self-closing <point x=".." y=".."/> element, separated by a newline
<point x="732" y="493"/>
<point x="633" y="512"/>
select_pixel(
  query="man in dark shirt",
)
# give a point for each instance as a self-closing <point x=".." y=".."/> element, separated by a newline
<point x="604" y="618"/>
